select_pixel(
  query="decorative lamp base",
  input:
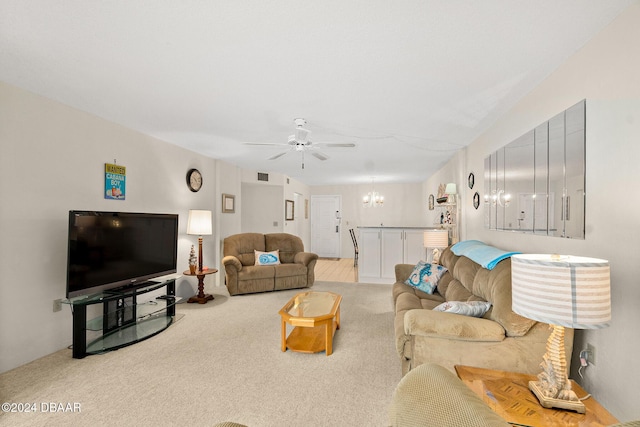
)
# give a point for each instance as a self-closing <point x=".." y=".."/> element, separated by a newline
<point x="201" y="299"/>
<point x="435" y="257"/>
<point x="552" y="402"/>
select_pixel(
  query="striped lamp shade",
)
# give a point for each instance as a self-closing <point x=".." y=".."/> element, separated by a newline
<point x="435" y="238"/>
<point x="568" y="291"/>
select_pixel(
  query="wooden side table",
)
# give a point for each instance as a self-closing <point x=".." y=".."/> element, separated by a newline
<point x="201" y="298"/>
<point x="508" y="394"/>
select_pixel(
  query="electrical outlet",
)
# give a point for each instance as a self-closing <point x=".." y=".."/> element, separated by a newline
<point x="57" y="305"/>
<point x="592" y="354"/>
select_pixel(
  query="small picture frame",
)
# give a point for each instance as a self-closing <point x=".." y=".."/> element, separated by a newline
<point x="431" y="202"/>
<point x="288" y="210"/>
<point x="476" y="200"/>
<point x="228" y="203"/>
<point x="471" y="180"/>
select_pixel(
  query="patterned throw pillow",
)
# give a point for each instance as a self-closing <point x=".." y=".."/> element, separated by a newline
<point x="267" y="258"/>
<point x="471" y="308"/>
<point x="425" y="276"/>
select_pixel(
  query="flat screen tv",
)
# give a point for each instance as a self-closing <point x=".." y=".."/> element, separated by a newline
<point x="111" y="250"/>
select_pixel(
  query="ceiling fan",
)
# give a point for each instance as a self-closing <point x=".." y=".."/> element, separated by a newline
<point x="299" y="141"/>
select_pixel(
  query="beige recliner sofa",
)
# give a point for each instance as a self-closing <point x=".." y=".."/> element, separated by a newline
<point x="242" y="276"/>
<point x="499" y="340"/>
<point x="433" y="396"/>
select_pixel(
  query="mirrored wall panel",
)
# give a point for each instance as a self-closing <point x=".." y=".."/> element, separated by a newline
<point x="536" y="184"/>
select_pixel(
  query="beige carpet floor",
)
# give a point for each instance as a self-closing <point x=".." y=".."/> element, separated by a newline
<point x="222" y="362"/>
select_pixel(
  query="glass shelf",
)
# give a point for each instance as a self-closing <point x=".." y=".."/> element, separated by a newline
<point x="114" y="294"/>
<point x="131" y="334"/>
<point x="143" y="310"/>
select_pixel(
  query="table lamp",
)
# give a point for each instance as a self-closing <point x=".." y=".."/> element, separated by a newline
<point x="450" y="191"/>
<point x="199" y="224"/>
<point x="436" y="239"/>
<point x="563" y="291"/>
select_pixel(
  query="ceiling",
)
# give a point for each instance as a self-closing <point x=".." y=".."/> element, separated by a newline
<point x="409" y="82"/>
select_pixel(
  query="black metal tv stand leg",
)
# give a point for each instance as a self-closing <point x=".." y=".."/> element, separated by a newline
<point x="79" y="331"/>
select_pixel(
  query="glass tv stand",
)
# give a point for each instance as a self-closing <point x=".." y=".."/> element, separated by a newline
<point x="127" y="317"/>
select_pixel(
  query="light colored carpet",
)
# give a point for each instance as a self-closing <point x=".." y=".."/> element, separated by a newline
<point x="222" y="362"/>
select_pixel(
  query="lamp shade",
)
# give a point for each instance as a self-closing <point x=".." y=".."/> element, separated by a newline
<point x="199" y="223"/>
<point x="436" y="239"/>
<point x="568" y="291"/>
<point x="450" y="189"/>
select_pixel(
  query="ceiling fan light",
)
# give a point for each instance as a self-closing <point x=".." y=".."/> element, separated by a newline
<point x="302" y="134"/>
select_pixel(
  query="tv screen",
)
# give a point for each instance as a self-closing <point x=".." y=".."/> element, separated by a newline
<point x="109" y="250"/>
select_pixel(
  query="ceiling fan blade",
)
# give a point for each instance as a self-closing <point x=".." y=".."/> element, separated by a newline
<point x="277" y="156"/>
<point x="319" y="155"/>
<point x="262" y="143"/>
<point x="330" y="144"/>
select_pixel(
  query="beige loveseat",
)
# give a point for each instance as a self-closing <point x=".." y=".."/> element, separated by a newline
<point x="500" y="339"/>
<point x="242" y="276"/>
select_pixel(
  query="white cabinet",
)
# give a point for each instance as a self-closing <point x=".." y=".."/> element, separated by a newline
<point x="392" y="252"/>
<point x="370" y="250"/>
<point x="381" y="248"/>
<point x="414" y="249"/>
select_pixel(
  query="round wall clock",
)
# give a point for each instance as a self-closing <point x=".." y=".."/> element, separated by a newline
<point x="194" y="180"/>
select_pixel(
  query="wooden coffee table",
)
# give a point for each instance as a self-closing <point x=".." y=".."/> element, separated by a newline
<point x="508" y="394"/>
<point x="315" y="317"/>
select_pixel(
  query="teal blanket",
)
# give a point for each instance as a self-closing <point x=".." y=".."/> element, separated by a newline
<point x="481" y="253"/>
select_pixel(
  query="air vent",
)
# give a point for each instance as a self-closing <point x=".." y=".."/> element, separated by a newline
<point x="263" y="176"/>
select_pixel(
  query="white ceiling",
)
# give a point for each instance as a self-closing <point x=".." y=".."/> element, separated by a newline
<point x="409" y="82"/>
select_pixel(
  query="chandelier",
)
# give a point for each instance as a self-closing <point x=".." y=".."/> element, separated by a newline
<point x="373" y="199"/>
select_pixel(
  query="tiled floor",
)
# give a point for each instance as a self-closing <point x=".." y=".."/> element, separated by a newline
<point x="336" y="270"/>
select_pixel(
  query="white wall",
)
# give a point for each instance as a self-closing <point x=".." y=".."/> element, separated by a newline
<point x="300" y="226"/>
<point x="51" y="161"/>
<point x="404" y="206"/>
<point x="605" y="72"/>
<point x="263" y="207"/>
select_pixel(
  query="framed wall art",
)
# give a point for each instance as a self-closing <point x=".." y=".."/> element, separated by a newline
<point x="288" y="210"/>
<point x="115" y="181"/>
<point x="431" y="202"/>
<point x="228" y="203"/>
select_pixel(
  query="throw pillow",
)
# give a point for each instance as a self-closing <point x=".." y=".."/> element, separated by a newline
<point x="425" y="276"/>
<point x="267" y="258"/>
<point x="471" y="308"/>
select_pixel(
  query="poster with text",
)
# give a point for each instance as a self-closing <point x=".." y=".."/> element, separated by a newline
<point x="115" y="180"/>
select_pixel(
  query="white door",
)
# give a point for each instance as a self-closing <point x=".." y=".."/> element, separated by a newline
<point x="325" y="225"/>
